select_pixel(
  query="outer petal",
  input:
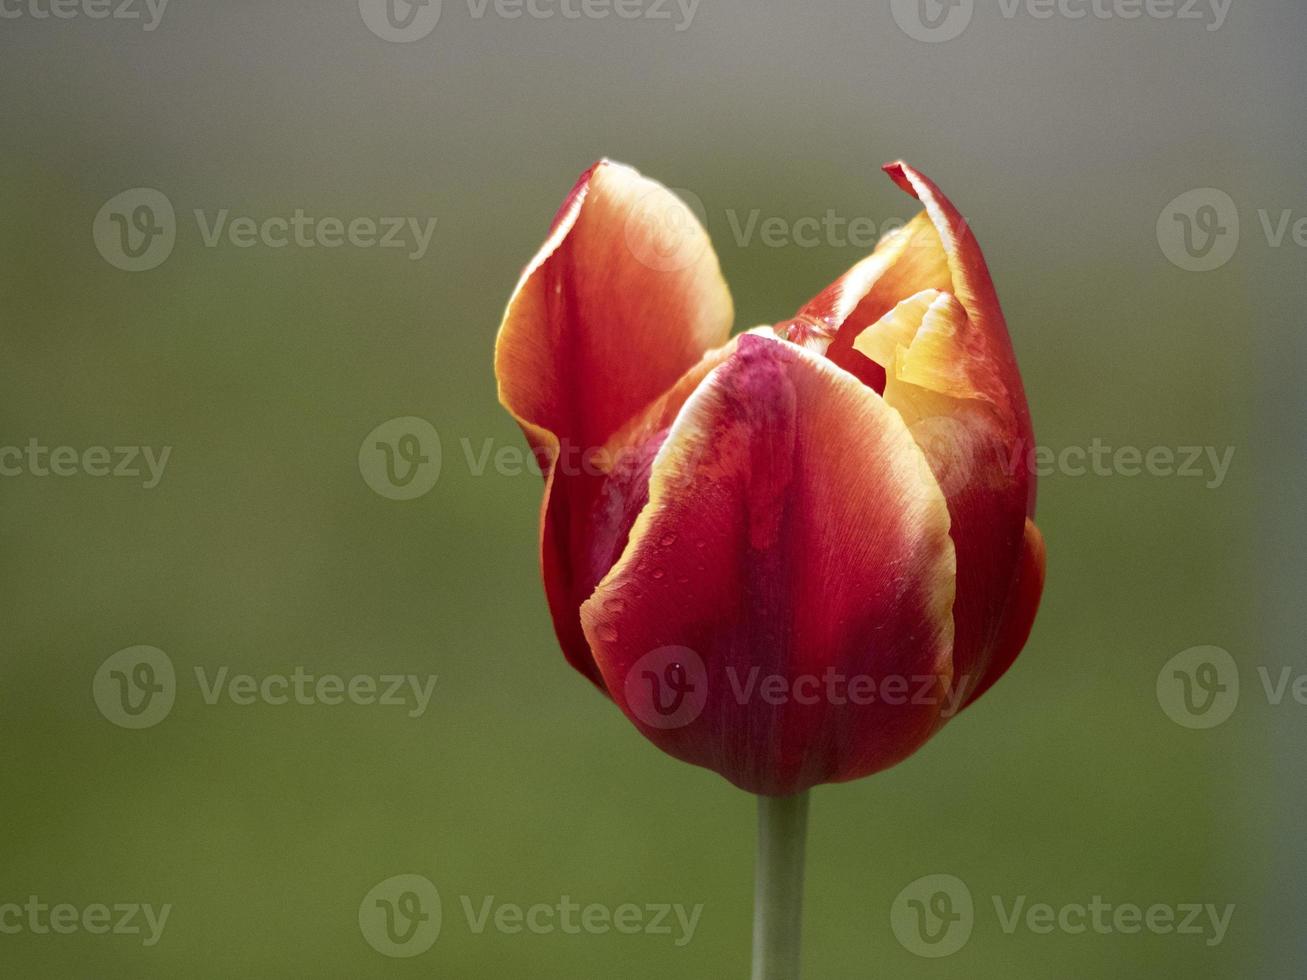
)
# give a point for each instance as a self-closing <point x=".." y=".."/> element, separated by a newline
<point x="951" y="403"/>
<point x="1023" y="603"/>
<point x="623" y="299"/>
<point x="788" y="533"/>
<point x="971" y="284"/>
<point x="924" y="311"/>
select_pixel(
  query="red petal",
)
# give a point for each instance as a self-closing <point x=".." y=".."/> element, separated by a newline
<point x="924" y="308"/>
<point x="623" y="299"/>
<point x="972" y="285"/>
<point x="1023" y="603"/>
<point x="788" y="532"/>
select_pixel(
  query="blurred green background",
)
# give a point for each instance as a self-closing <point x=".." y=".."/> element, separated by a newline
<point x="263" y="549"/>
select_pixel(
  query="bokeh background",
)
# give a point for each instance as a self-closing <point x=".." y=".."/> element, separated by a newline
<point x="262" y="548"/>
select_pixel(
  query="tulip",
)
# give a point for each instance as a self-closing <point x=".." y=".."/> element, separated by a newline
<point x="789" y="556"/>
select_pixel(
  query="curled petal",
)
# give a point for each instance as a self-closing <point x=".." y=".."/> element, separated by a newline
<point x="789" y="535"/>
<point x="940" y="338"/>
<point x="953" y="405"/>
<point x="906" y="261"/>
<point x="623" y="299"/>
<point x="987" y="345"/>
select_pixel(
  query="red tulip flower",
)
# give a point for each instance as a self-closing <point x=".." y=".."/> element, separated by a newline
<point x="792" y="555"/>
<point x="788" y="556"/>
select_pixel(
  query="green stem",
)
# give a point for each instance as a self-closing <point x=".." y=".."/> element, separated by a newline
<point x="778" y="891"/>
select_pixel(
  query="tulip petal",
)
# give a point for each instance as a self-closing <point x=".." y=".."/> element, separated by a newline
<point x="952" y="404"/>
<point x="789" y="532"/>
<point x="624" y="298"/>
<point x="906" y="261"/>
<point x="950" y="371"/>
<point x="1023" y="603"/>
<point x="988" y="345"/>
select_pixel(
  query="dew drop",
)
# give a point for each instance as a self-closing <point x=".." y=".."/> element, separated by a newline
<point x="667" y="540"/>
<point x="658" y="573"/>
